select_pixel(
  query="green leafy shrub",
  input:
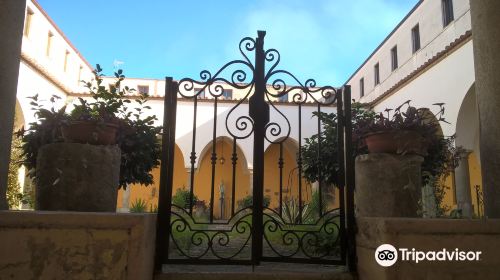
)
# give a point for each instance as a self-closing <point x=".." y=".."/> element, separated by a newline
<point x="14" y="195"/>
<point x="247" y="201"/>
<point x="327" y="162"/>
<point x="181" y="198"/>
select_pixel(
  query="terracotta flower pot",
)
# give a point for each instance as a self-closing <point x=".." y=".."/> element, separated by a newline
<point x="396" y="142"/>
<point x="90" y="132"/>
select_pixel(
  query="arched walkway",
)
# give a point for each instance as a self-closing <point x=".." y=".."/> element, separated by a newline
<point x="19" y="120"/>
<point x="149" y="194"/>
<point x="468" y="173"/>
<point x="222" y="178"/>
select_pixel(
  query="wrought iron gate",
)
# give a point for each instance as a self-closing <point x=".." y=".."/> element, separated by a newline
<point x="257" y="232"/>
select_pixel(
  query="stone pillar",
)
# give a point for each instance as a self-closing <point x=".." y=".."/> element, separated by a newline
<point x="315" y="186"/>
<point x="188" y="172"/>
<point x="126" y="200"/>
<point x="11" y="32"/>
<point x="462" y="186"/>
<point x="250" y="176"/>
<point x="429" y="202"/>
<point x="388" y="185"/>
<point x="486" y="38"/>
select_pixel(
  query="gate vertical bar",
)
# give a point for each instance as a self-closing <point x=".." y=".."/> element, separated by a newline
<point x="341" y="172"/>
<point x="234" y="159"/>
<point x="193" y="156"/>
<point x="299" y="164"/>
<point x="350" y="184"/>
<point x="259" y="112"/>
<point x="320" y="178"/>
<point x="166" y="173"/>
<point x="213" y="159"/>
<point x="280" y="166"/>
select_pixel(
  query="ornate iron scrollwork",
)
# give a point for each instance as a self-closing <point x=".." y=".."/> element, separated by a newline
<point x="322" y="240"/>
<point x="194" y="240"/>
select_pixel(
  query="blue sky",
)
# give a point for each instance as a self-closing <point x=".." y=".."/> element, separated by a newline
<point x="322" y="39"/>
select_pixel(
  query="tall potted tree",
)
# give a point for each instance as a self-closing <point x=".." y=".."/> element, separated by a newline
<point x="410" y="131"/>
<point x="80" y="158"/>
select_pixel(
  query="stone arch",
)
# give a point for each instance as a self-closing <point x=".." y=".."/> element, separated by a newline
<point x="228" y="143"/>
<point x="149" y="194"/>
<point x="290" y="144"/>
<point x="430" y="117"/>
<point x="19" y="116"/>
<point x="467" y="136"/>
<point x="290" y="175"/>
<point x="222" y="178"/>
<point x="467" y="123"/>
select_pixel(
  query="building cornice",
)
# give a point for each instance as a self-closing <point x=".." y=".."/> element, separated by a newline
<point x="206" y="100"/>
<point x="44" y="72"/>
<point x="448" y="50"/>
<point x="385" y="39"/>
<point x="56" y="27"/>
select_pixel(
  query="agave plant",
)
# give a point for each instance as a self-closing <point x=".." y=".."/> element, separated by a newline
<point x="139" y="206"/>
<point x="292" y="214"/>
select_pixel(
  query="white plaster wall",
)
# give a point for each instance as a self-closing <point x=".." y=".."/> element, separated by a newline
<point x="433" y="39"/>
<point x="30" y="83"/>
<point x="34" y="47"/>
<point x="205" y="123"/>
<point x="448" y="81"/>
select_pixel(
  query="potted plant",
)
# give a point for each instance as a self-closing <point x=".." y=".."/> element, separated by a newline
<point x="439" y="160"/>
<point x="407" y="130"/>
<point x="105" y="123"/>
<point x="98" y="122"/>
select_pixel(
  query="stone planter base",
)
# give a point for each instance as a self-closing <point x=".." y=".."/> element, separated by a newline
<point x="429" y="235"/>
<point x="77" y="177"/>
<point x="388" y="185"/>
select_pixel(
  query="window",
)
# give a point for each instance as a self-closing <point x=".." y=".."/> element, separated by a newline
<point x="447" y="7"/>
<point x="66" y="55"/>
<point x="283" y="98"/>
<point x="227" y="94"/>
<point x="27" y="22"/>
<point x="50" y="36"/>
<point x="415" y="39"/>
<point x="377" y="74"/>
<point x="201" y="94"/>
<point x="394" y="58"/>
<point x="79" y="75"/>
<point x="143" y="89"/>
<point x="362" y="87"/>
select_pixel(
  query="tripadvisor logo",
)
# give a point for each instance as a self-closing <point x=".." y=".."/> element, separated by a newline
<point x="387" y="255"/>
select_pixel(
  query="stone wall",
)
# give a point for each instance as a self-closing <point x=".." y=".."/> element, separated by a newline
<point x="388" y="185"/>
<point x="72" y="245"/>
<point x="429" y="235"/>
<point x="11" y="32"/>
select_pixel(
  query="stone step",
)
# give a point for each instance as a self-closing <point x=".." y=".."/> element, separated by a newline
<point x="262" y="272"/>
